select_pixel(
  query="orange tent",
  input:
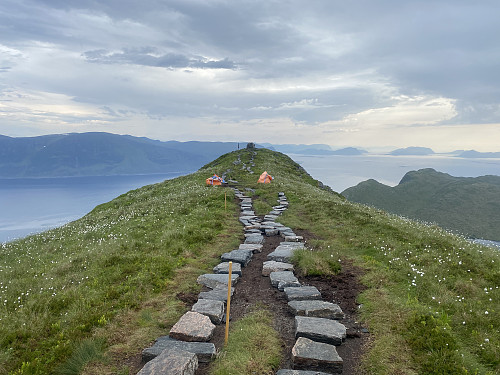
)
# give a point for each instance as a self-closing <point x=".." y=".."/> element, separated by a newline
<point x="215" y="180"/>
<point x="265" y="178"/>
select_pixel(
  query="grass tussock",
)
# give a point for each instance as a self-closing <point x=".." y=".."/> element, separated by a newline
<point x="253" y="347"/>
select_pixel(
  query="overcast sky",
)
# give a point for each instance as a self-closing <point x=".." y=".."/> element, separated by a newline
<point x="372" y="74"/>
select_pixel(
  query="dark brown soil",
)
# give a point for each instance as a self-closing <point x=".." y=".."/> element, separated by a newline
<point x="253" y="289"/>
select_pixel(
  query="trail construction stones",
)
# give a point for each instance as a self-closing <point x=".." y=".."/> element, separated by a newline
<point x="317" y="332"/>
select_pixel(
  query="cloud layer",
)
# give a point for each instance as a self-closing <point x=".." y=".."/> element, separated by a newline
<point x="318" y="72"/>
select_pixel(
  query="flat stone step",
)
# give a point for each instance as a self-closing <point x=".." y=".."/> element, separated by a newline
<point x="205" y="351"/>
<point x="216" y="280"/>
<point x="271" y="232"/>
<point x="320" y="330"/>
<point x="256" y="248"/>
<point x="283" y="253"/>
<point x="300" y="372"/>
<point x="311" y="355"/>
<point x="316" y="309"/>
<point x="242" y="257"/>
<point x="273" y="266"/>
<point x="224" y="268"/>
<point x="302" y="293"/>
<point x="283" y="279"/>
<point x="255" y="239"/>
<point x="171" y="362"/>
<point x="211" y="308"/>
<point x="294" y="238"/>
<point x="193" y="326"/>
<point x="217" y="294"/>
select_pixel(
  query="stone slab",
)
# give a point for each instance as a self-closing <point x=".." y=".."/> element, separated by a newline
<point x="316" y="309"/>
<point x="193" y="326"/>
<point x="217" y="294"/>
<point x="205" y="351"/>
<point x="256" y="248"/>
<point x="282" y="279"/>
<point x="302" y="293"/>
<point x="281" y="255"/>
<point x="171" y="362"/>
<point x="320" y="330"/>
<point x="310" y="355"/>
<point x="271" y="232"/>
<point x="273" y="266"/>
<point x="211" y="308"/>
<point x="293" y="238"/>
<point x="224" y="268"/>
<point x="242" y="257"/>
<point x="216" y="280"/>
<point x="299" y="372"/>
<point x="255" y="239"/>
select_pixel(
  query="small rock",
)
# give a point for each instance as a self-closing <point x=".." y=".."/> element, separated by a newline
<point x="316" y="309"/>
<point x="302" y="293"/>
<point x="256" y="248"/>
<point x="216" y="280"/>
<point x="213" y="309"/>
<point x="217" y="294"/>
<point x="311" y="355"/>
<point x="171" y="362"/>
<point x="282" y="279"/>
<point x="299" y="372"/>
<point x="205" y="351"/>
<point x="224" y="268"/>
<point x="242" y="257"/>
<point x="193" y="326"/>
<point x="273" y="266"/>
<point x="320" y="330"/>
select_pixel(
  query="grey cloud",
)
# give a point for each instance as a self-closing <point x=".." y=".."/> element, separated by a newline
<point x="145" y="56"/>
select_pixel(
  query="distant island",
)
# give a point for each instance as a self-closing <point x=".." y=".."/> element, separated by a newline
<point x="476" y="154"/>
<point x="412" y="151"/>
<point x="314" y="149"/>
<point x="470" y="206"/>
<point x="102" y="154"/>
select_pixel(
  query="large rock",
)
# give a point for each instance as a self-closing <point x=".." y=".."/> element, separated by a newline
<point x="242" y="257"/>
<point x="319" y="329"/>
<point x="213" y="309"/>
<point x="299" y="372"/>
<point x="224" y="268"/>
<point x="282" y="279"/>
<point x="171" y="362"/>
<point x="216" y="280"/>
<point x="193" y="326"/>
<point x="316" y="309"/>
<point x="205" y="351"/>
<point x="273" y="266"/>
<point x="217" y="294"/>
<point x="302" y="293"/>
<point x="311" y="355"/>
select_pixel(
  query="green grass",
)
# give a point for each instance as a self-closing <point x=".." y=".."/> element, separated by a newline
<point x="253" y="347"/>
<point x="430" y="298"/>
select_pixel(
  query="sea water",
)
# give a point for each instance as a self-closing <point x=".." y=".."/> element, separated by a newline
<point x="32" y="205"/>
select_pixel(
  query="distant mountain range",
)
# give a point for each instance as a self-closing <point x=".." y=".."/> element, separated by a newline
<point x="314" y="149"/>
<point x="467" y="205"/>
<point x="86" y="154"/>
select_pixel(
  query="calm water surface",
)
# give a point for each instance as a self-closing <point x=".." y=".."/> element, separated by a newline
<point x="33" y="205"/>
<point x="341" y="172"/>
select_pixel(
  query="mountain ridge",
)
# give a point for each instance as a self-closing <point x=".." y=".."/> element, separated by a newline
<point x="469" y="205"/>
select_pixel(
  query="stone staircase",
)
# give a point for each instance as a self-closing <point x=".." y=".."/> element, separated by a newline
<point x="317" y="332"/>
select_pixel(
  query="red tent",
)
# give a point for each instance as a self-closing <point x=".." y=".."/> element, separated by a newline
<point x="215" y="180"/>
<point x="265" y="178"/>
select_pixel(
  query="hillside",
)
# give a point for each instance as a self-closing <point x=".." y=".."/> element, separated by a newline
<point x="96" y="154"/>
<point x="86" y="298"/>
<point x="470" y="206"/>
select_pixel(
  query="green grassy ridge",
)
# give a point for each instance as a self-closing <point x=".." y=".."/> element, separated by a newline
<point x="470" y="206"/>
<point x="406" y="265"/>
<point x="60" y="286"/>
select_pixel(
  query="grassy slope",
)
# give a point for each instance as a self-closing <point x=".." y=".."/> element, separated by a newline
<point x="106" y="285"/>
<point x="466" y="205"/>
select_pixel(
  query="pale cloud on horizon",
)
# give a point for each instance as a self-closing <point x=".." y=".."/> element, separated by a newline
<point x="346" y="74"/>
